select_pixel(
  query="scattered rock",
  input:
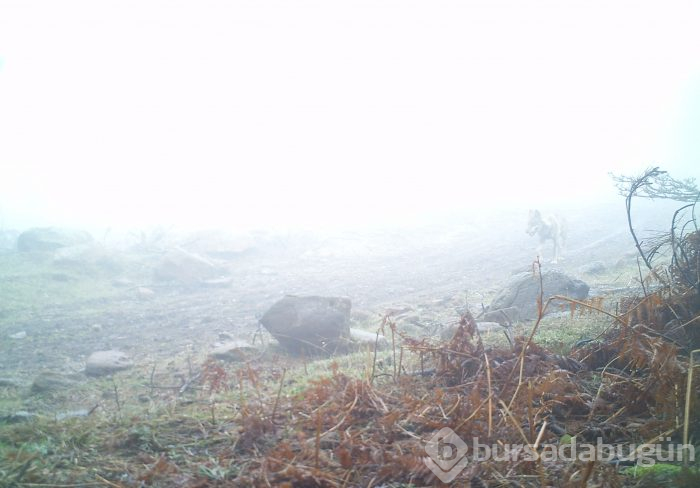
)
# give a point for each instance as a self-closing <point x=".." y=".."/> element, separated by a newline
<point x="122" y="282"/>
<point x="398" y="310"/>
<point x="8" y="240"/>
<point x="102" y="363"/>
<point x="410" y="318"/>
<point x="19" y="335"/>
<point x="72" y="414"/>
<point x="223" y="282"/>
<point x="49" y="381"/>
<point x="62" y="277"/>
<point x="48" y="239"/>
<point x="219" y="244"/>
<point x="367" y="338"/>
<point x="96" y="327"/>
<point x="488" y="326"/>
<point x="10" y="383"/>
<point x="18" y="417"/>
<point x="504" y="316"/>
<point x="309" y="324"/>
<point x="226" y="336"/>
<point x="234" y="350"/>
<point x="448" y="332"/>
<point x="593" y="268"/>
<point x="186" y="268"/>
<point x="145" y="293"/>
<point x="363" y="316"/>
<point x="523" y="291"/>
<point x="76" y="254"/>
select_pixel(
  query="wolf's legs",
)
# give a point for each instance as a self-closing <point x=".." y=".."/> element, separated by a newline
<point x="557" y="251"/>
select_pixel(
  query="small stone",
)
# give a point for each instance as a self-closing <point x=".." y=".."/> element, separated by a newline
<point x="488" y="326"/>
<point x="593" y="268"/>
<point x="145" y="293"/>
<point x="367" y="338"/>
<point x="102" y="363"/>
<point x="225" y="336"/>
<point x="17" y="417"/>
<point x="18" y="335"/>
<point x="235" y="350"/>
<point x="49" y="381"/>
<point x="72" y="414"/>
<point x="9" y="383"/>
<point x="122" y="282"/>
<point x="96" y="327"/>
<point x="221" y="282"/>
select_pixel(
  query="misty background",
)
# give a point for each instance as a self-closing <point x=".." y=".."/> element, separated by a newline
<point x="328" y="114"/>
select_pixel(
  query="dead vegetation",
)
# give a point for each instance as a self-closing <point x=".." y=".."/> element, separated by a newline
<point x="626" y="388"/>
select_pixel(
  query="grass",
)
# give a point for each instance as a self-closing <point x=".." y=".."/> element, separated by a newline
<point x="31" y="283"/>
<point x="140" y="434"/>
<point x="125" y="441"/>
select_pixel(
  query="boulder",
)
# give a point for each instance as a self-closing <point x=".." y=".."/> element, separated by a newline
<point x="523" y="290"/>
<point x="49" y="239"/>
<point x="102" y="363"/>
<point x="186" y="268"/>
<point x="309" y="324"/>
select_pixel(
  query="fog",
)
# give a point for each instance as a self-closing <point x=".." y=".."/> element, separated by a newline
<point x="251" y="115"/>
<point x="220" y="221"/>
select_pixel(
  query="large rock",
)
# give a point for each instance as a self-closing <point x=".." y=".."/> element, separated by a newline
<point x="102" y="363"/>
<point x="186" y="268"/>
<point x="309" y="324"/>
<point x="523" y="290"/>
<point x="48" y="239"/>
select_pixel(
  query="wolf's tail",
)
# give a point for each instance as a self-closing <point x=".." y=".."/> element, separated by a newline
<point x="563" y="230"/>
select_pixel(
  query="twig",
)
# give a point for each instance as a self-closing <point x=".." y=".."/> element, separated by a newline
<point x="116" y="397"/>
<point x="488" y="382"/>
<point x="279" y="393"/>
<point x="153" y="372"/>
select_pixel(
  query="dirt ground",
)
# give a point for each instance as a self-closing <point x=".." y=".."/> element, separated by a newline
<point x="433" y="268"/>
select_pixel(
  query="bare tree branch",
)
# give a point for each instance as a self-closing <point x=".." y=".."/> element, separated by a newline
<point x="654" y="183"/>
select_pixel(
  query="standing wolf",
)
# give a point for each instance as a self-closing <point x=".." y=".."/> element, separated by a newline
<point x="547" y="228"/>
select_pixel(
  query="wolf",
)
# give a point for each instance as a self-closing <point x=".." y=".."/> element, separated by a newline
<point x="548" y="228"/>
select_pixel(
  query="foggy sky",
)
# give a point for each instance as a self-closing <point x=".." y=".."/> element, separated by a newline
<point x="252" y="113"/>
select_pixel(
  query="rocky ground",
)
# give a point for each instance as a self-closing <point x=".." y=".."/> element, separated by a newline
<point x="59" y="307"/>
